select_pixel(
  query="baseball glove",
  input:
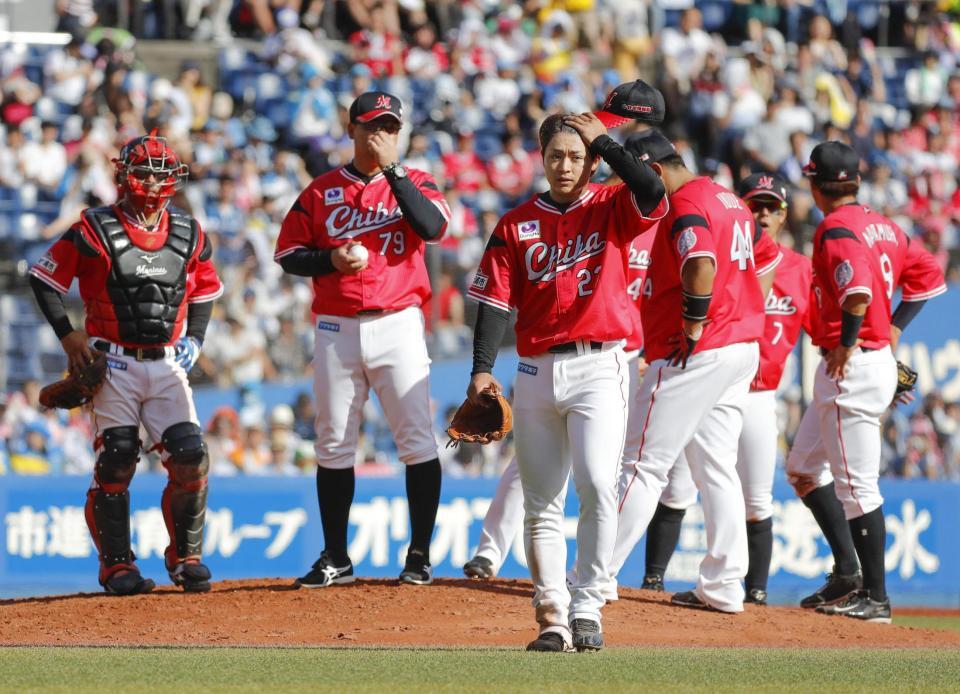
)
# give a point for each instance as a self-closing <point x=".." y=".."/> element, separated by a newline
<point x="906" y="378"/>
<point x="488" y="421"/>
<point x="78" y="388"/>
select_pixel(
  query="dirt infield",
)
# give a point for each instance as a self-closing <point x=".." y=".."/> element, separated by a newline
<point x="381" y="613"/>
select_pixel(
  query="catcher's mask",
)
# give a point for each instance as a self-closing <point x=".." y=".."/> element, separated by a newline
<point x="149" y="173"/>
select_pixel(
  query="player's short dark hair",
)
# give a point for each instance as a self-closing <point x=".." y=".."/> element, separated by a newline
<point x="673" y="161"/>
<point x="838" y="189"/>
<point x="551" y="126"/>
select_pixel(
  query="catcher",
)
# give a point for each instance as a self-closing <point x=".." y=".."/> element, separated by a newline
<point x="147" y="285"/>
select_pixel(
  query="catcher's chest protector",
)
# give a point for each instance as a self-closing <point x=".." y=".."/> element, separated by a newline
<point x="145" y="288"/>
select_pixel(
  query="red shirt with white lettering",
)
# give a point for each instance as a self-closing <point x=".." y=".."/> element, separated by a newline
<point x="853" y="253"/>
<point x="338" y="207"/>
<point x="564" y="270"/>
<point x="638" y="262"/>
<point x="786" y="309"/>
<point x="707" y="220"/>
<point x="63" y="262"/>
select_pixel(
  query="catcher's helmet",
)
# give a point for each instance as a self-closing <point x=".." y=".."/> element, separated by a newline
<point x="149" y="172"/>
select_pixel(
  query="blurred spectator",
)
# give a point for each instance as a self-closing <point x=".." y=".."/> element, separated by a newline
<point x="224" y="442"/>
<point x="925" y="84"/>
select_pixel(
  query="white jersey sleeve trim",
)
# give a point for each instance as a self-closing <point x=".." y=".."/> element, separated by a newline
<point x="699" y="254"/>
<point x="942" y="289"/>
<point x="203" y="298"/>
<point x="771" y="266"/>
<point x="496" y="303"/>
<point x="46" y="279"/>
<point x="287" y="251"/>
<point x="855" y="290"/>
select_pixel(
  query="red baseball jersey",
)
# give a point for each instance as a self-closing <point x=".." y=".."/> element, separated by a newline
<point x="638" y="262"/>
<point x="786" y="310"/>
<point x="564" y="270"/>
<point x="854" y="250"/>
<point x="338" y="207"/>
<point x="63" y="262"/>
<point x="707" y="220"/>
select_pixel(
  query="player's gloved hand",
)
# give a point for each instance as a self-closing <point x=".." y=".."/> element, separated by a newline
<point x="684" y="344"/>
<point x="186" y="352"/>
<point x="906" y="383"/>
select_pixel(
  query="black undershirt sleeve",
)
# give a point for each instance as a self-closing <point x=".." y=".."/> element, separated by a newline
<point x="906" y="311"/>
<point x="643" y="182"/>
<point x="487" y="336"/>
<point x="198" y="316"/>
<point x="422" y="215"/>
<point x="51" y="305"/>
<point x="308" y="262"/>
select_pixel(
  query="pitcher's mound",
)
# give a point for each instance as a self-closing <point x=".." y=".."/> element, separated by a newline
<point x="269" y="612"/>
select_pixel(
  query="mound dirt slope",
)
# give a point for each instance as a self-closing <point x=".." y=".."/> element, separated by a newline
<point x="464" y="613"/>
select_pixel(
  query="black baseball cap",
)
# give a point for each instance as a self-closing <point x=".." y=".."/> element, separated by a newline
<point x="833" y="162"/>
<point x="370" y="105"/>
<point x="649" y="146"/>
<point x="764" y="185"/>
<point x="635" y="100"/>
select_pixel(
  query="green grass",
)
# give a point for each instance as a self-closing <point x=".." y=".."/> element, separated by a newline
<point x="617" y="669"/>
<point x="951" y="623"/>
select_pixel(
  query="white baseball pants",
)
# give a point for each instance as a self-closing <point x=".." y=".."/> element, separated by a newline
<point x="697" y="411"/>
<point x="387" y="352"/>
<point x="839" y="435"/>
<point x="570" y="413"/>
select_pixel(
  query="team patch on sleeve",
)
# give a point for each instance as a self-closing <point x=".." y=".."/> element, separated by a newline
<point x="528" y="230"/>
<point x="47" y="263"/>
<point x="686" y="241"/>
<point x="843" y="274"/>
<point x="529" y="369"/>
<point x="479" y="281"/>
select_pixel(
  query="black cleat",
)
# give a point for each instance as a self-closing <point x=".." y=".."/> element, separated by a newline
<point x="586" y="635"/>
<point x="688" y="598"/>
<point x="478" y="567"/>
<point x="192" y="576"/>
<point x="551" y="642"/>
<point x="834" y="590"/>
<point x="859" y="605"/>
<point x="416" y="570"/>
<point x="324" y="574"/>
<point x="755" y="596"/>
<point x="127" y="583"/>
<point x="652" y="582"/>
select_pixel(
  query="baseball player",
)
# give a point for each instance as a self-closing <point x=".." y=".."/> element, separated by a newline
<point x="558" y="258"/>
<point x="859" y="258"/>
<point x="786" y="305"/>
<point x="360" y="231"/>
<point x="504" y="517"/>
<point x="147" y="285"/>
<point x="702" y="323"/>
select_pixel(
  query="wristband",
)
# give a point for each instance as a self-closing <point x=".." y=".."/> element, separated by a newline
<point x="695" y="307"/>
<point x="849" y="329"/>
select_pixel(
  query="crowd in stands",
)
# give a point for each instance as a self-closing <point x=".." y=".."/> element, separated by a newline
<point x="748" y="86"/>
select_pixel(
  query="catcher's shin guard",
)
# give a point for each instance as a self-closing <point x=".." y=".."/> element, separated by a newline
<point x="108" y="500"/>
<point x="185" y="497"/>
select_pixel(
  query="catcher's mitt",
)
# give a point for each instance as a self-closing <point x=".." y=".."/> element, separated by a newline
<point x="906" y="378"/>
<point x="488" y="421"/>
<point x="79" y="388"/>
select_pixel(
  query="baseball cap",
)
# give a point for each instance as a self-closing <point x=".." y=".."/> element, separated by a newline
<point x="649" y="146"/>
<point x="370" y="105"/>
<point x="764" y="185"/>
<point x="832" y="162"/>
<point x="635" y="100"/>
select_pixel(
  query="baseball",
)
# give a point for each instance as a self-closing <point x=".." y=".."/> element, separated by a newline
<point x="359" y="252"/>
